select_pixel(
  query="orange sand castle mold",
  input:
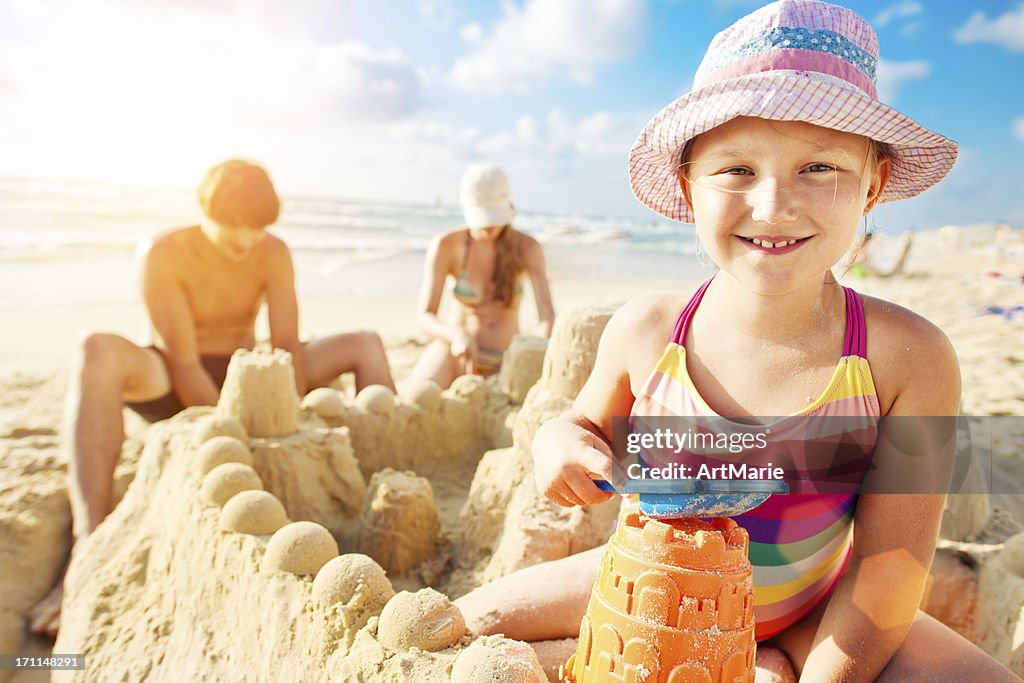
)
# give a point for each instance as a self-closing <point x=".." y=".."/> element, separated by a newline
<point x="673" y="603"/>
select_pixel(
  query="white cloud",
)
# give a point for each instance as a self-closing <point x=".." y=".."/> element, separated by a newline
<point x="898" y="11"/>
<point x="364" y="83"/>
<point x="600" y="134"/>
<point x="437" y="12"/>
<point x="1006" y="30"/>
<point x="549" y="38"/>
<point x="110" y="93"/>
<point x="911" y="29"/>
<point x="1018" y="128"/>
<point x="892" y="76"/>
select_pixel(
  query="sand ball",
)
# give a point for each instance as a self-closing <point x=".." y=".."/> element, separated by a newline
<point x="220" y="425"/>
<point x="325" y="402"/>
<point x="341" y="579"/>
<point x="495" y="658"/>
<point x="253" y="512"/>
<point x="222" y="449"/>
<point x="300" y="548"/>
<point x="425" y="394"/>
<point x="425" y="619"/>
<point x="469" y="387"/>
<point x="224" y="481"/>
<point x="1013" y="554"/>
<point x="376" y="398"/>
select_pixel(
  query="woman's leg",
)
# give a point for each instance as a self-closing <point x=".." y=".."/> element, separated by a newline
<point x="438" y="364"/>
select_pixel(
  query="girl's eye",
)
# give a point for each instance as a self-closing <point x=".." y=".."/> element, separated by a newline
<point x="820" y="168"/>
<point x="739" y="170"/>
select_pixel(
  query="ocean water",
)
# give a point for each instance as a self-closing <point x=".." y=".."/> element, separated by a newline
<point x="64" y="242"/>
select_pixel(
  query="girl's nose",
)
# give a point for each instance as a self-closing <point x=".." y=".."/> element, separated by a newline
<point x="772" y="203"/>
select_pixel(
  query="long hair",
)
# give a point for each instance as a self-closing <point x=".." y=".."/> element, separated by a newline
<point x="508" y="265"/>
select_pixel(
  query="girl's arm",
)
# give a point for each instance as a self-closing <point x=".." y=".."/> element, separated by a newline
<point x="533" y="255"/>
<point x="875" y="602"/>
<point x="567" y="449"/>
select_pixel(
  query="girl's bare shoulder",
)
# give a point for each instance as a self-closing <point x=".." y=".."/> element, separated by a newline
<point x="908" y="354"/>
<point x="642" y="327"/>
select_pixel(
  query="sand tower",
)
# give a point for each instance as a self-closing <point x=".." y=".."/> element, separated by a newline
<point x="259" y="390"/>
<point x="400" y="527"/>
<point x="673" y="603"/>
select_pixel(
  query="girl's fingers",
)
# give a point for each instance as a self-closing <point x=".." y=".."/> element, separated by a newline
<point x="566" y="492"/>
<point x="583" y="487"/>
<point x="559" y="500"/>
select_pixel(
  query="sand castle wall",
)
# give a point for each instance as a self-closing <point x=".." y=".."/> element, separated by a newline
<point x="222" y="561"/>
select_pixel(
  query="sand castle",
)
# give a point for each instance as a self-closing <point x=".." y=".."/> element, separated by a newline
<point x="328" y="551"/>
<point x="673" y="602"/>
<point x="178" y="584"/>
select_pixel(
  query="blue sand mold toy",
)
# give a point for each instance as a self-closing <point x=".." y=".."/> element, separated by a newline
<point x="675" y="498"/>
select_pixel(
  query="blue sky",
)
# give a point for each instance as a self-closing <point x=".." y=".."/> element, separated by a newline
<point x="391" y="100"/>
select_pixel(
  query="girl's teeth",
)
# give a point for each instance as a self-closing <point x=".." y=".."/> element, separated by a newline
<point x="770" y="245"/>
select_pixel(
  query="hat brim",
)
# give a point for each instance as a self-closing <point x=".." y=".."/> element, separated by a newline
<point x="922" y="158"/>
<point x="487" y="216"/>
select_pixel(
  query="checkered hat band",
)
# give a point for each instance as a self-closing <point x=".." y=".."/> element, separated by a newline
<point x="789" y="59"/>
<point x="822" y="41"/>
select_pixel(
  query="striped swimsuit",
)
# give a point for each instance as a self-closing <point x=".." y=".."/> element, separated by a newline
<point x="800" y="543"/>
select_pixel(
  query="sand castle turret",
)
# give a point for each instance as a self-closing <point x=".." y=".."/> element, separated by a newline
<point x="674" y="601"/>
<point x="522" y="366"/>
<point x="259" y="390"/>
<point x="400" y="527"/>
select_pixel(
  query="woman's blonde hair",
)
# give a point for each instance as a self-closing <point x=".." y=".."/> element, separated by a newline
<point x="508" y="265"/>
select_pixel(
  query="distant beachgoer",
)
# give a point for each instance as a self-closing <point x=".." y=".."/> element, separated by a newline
<point x="862" y="260"/>
<point x="203" y="287"/>
<point x="486" y="260"/>
<point x="778" y="152"/>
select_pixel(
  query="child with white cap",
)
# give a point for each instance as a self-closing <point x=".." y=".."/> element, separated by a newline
<point x="487" y="261"/>
<point x="777" y="154"/>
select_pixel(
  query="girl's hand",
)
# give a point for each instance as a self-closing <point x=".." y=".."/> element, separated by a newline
<point x="565" y="454"/>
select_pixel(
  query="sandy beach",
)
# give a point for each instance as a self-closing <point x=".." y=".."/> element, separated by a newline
<point x="961" y="279"/>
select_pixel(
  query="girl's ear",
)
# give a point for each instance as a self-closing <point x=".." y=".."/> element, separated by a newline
<point x="878" y="183"/>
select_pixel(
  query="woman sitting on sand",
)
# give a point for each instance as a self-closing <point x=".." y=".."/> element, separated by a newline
<point x="486" y="260"/>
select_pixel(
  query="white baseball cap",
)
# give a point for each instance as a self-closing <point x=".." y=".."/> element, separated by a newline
<point x="484" y="197"/>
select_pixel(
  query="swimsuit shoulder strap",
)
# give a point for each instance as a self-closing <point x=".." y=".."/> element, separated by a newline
<point x="855" y="343"/>
<point x="683" y="322"/>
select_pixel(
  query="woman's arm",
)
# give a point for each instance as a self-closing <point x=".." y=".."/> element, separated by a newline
<point x="435" y="270"/>
<point x="533" y="255"/>
<point x="895" y="532"/>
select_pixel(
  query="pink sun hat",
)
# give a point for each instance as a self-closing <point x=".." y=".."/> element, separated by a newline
<point x="792" y="60"/>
